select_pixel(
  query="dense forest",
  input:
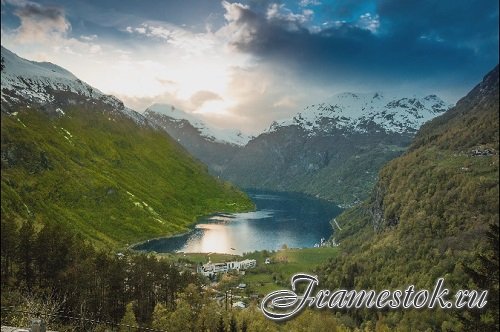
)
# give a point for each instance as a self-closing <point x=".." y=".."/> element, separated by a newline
<point x="55" y="275"/>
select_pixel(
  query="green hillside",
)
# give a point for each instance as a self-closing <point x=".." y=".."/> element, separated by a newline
<point x="430" y="216"/>
<point x="104" y="176"/>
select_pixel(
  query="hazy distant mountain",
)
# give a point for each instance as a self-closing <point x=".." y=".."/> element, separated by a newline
<point x="333" y="149"/>
<point x="209" y="133"/>
<point x="213" y="146"/>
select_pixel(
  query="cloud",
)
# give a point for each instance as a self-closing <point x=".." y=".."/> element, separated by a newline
<point x="46" y="27"/>
<point x="88" y="37"/>
<point x="279" y="14"/>
<point x="39" y="22"/>
<point x="151" y="31"/>
<point x="369" y="47"/>
<point x="306" y="3"/>
<point x="189" y="42"/>
<point x="286" y="102"/>
<point x="166" y="82"/>
<point x="201" y="97"/>
<point x="369" y="22"/>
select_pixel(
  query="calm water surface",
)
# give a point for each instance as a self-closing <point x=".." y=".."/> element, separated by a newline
<point x="280" y="218"/>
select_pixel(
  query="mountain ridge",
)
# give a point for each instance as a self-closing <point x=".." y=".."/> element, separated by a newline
<point x="210" y="133"/>
<point x="356" y="111"/>
<point x="341" y="143"/>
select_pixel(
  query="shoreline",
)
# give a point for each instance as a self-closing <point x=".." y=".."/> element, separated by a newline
<point x="131" y="247"/>
<point x="174" y="242"/>
<point x="192" y="227"/>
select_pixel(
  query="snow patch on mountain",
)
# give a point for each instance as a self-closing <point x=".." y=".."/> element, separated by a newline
<point x="36" y="82"/>
<point x="220" y="135"/>
<point x="362" y="112"/>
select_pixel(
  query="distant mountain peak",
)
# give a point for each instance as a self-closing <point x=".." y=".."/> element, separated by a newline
<point x="210" y="133"/>
<point x="362" y="112"/>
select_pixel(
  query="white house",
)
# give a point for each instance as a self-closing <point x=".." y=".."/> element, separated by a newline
<point x="239" y="304"/>
<point x="210" y="269"/>
<point x="248" y="264"/>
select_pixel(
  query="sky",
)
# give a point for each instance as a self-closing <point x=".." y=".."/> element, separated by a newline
<point x="242" y="64"/>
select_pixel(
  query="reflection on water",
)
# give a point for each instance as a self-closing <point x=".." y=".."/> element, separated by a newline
<point x="281" y="218"/>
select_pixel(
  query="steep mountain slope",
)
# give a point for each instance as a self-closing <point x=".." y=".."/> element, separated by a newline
<point x="83" y="160"/>
<point x="333" y="149"/>
<point x="46" y="85"/>
<point x="429" y="214"/>
<point x="214" y="147"/>
<point x="211" y="134"/>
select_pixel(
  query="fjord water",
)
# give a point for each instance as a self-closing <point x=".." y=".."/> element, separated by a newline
<point x="297" y="220"/>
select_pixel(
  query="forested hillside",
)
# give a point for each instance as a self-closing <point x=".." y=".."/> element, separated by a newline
<point x="433" y="213"/>
<point x="104" y="176"/>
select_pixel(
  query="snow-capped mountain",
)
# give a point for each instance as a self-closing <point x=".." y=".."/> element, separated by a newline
<point x="46" y="84"/>
<point x="180" y="117"/>
<point x="333" y="149"/>
<point x="362" y="112"/>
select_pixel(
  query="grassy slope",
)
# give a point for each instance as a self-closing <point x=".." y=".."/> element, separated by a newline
<point x="285" y="263"/>
<point x="105" y="177"/>
<point x="259" y="280"/>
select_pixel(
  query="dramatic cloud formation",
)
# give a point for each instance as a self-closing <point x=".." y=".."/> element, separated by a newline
<point x="40" y="23"/>
<point x="247" y="63"/>
<point x="364" y="48"/>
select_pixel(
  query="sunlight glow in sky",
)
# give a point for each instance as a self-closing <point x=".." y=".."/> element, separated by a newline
<point x="244" y="64"/>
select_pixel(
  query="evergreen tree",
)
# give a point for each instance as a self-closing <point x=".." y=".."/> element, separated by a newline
<point x="484" y="273"/>
<point x="160" y="317"/>
<point x="128" y="321"/>
<point x="232" y="324"/>
<point x="9" y="237"/>
<point x="244" y="326"/>
<point x="25" y="252"/>
<point x="53" y="246"/>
